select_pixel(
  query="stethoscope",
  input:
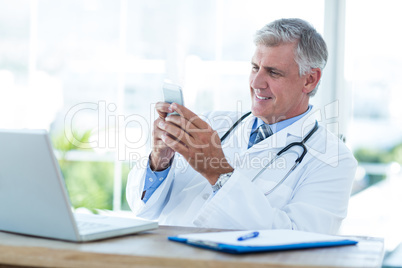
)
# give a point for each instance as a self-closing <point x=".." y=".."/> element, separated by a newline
<point x="280" y="153"/>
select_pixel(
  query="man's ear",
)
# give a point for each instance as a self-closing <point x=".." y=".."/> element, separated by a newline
<point x="311" y="80"/>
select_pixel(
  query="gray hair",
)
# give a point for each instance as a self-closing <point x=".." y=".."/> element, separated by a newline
<point x="311" y="51"/>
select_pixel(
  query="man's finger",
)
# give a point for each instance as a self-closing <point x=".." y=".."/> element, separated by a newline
<point x="175" y="144"/>
<point x="163" y="108"/>
<point x="184" y="124"/>
<point x="189" y="116"/>
<point x="177" y="132"/>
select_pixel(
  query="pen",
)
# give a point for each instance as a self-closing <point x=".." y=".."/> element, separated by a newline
<point x="248" y="236"/>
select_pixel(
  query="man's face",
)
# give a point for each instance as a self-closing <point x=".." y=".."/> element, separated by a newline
<point x="277" y="90"/>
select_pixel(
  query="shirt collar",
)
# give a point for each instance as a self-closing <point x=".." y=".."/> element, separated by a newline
<point x="282" y="124"/>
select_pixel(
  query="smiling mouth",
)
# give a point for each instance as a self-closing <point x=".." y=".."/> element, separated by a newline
<point x="262" y="98"/>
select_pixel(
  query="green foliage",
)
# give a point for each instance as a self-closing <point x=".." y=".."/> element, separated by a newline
<point x="89" y="183"/>
<point x="380" y="156"/>
<point x="125" y="171"/>
<point x="396" y="153"/>
<point x="369" y="155"/>
<point x="63" y="144"/>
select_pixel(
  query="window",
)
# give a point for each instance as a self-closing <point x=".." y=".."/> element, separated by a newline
<point x="372" y="62"/>
<point x="90" y="71"/>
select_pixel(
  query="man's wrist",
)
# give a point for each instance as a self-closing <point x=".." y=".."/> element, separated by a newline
<point x="159" y="163"/>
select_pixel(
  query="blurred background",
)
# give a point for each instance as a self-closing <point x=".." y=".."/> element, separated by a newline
<point x="90" y="72"/>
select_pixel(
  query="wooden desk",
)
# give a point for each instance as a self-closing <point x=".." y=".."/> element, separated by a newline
<point x="152" y="249"/>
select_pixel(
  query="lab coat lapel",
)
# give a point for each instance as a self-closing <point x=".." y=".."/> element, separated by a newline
<point x="238" y="140"/>
<point x="280" y="139"/>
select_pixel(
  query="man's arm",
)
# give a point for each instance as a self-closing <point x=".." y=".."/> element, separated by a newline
<point x="136" y="183"/>
<point x="153" y="180"/>
<point x="142" y="183"/>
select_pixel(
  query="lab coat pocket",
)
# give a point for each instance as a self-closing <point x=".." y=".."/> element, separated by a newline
<point x="279" y="197"/>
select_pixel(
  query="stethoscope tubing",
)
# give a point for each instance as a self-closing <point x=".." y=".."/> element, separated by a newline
<point x="234" y="126"/>
<point x="282" y="151"/>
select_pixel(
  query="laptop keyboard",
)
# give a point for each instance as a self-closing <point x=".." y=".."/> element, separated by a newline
<point x="85" y="226"/>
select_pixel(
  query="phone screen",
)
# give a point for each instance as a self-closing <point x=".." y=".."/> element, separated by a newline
<point x="173" y="93"/>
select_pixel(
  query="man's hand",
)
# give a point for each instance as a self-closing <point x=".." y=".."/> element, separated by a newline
<point x="193" y="138"/>
<point x="161" y="154"/>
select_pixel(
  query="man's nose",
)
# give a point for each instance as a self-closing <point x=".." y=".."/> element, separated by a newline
<point x="259" y="81"/>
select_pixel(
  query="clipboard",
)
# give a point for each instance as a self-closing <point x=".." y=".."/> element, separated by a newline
<point x="267" y="240"/>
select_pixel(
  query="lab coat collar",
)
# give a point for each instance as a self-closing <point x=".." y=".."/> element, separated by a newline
<point x="279" y="139"/>
<point x="241" y="134"/>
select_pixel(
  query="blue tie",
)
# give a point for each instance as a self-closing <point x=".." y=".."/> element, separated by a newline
<point x="264" y="131"/>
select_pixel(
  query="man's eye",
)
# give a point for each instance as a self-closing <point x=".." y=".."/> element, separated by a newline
<point x="273" y="73"/>
<point x="254" y="68"/>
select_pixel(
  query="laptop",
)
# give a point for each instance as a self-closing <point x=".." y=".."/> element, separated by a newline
<point x="34" y="199"/>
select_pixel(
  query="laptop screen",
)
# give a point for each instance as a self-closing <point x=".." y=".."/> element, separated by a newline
<point x="33" y="197"/>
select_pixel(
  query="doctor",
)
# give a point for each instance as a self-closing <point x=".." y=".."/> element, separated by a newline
<point x="194" y="179"/>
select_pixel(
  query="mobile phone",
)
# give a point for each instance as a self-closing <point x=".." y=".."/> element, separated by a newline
<point x="173" y="93"/>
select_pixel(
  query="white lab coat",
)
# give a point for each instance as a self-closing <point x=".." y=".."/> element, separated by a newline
<point x="313" y="198"/>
